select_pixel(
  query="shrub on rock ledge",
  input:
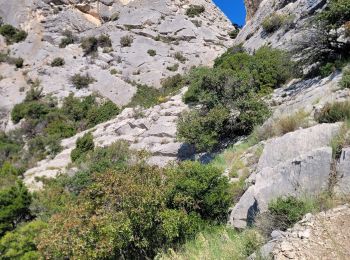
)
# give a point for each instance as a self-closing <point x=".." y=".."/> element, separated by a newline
<point x="81" y="81"/>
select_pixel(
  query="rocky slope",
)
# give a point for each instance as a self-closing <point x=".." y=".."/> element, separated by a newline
<point x="162" y="26"/>
<point x="322" y="236"/>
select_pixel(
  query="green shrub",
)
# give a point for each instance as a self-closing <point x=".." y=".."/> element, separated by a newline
<point x="331" y="113"/>
<point x="203" y="131"/>
<point x="57" y="62"/>
<point x="145" y="97"/>
<point x="336" y="13"/>
<point x="104" y="41"/>
<point x="172" y="84"/>
<point x="152" y="52"/>
<point x="81" y="81"/>
<point x="236" y="83"/>
<point x="102" y="113"/>
<point x="274" y="22"/>
<point x="67" y="40"/>
<point x="234" y="33"/>
<point x="173" y="68"/>
<point x="9" y="147"/>
<point x="180" y="57"/>
<point x="12" y="34"/>
<point x="288" y="211"/>
<point x="126" y="41"/>
<point x="14" y="204"/>
<point x="89" y="45"/>
<point x="195" y="10"/>
<point x="60" y="128"/>
<point x="345" y="81"/>
<point x="201" y="189"/>
<point x="20" y="244"/>
<point x="84" y="144"/>
<point x="327" y="69"/>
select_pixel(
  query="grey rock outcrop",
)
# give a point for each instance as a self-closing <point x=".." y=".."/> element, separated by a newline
<point x="162" y="26"/>
<point x="153" y="130"/>
<point x="343" y="173"/>
<point x="298" y="163"/>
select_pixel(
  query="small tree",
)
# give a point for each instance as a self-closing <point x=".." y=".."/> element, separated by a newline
<point x="83" y="146"/>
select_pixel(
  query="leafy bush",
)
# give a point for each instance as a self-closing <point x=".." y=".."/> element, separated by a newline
<point x="152" y="52"/>
<point x="195" y="10"/>
<point x="173" y="68"/>
<point x="145" y="97"/>
<point x="288" y="211"/>
<point x="14" y="204"/>
<point x="81" y="81"/>
<point x="274" y="22"/>
<point x="126" y="41"/>
<point x="104" y="41"/>
<point x="345" y="81"/>
<point x="21" y="243"/>
<point x="151" y="208"/>
<point x="9" y="147"/>
<point x="84" y="144"/>
<point x="336" y="13"/>
<point x="67" y="40"/>
<point x="89" y="45"/>
<point x="12" y="34"/>
<point x="102" y="113"/>
<point x="234" y="33"/>
<point x="172" y="84"/>
<point x="57" y="62"/>
<point x="180" y="57"/>
<point x="331" y="113"/>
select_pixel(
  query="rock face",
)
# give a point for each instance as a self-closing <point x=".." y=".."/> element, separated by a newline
<point x="162" y="26"/>
<point x="153" y="130"/>
<point x="251" y="7"/>
<point x="325" y="235"/>
<point x="297" y="12"/>
<point x="298" y="163"/>
<point x="343" y="173"/>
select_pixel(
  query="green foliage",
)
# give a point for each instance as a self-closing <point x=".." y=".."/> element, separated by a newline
<point x="81" y="81"/>
<point x="203" y="130"/>
<point x="104" y="41"/>
<point x="234" y="33"/>
<point x="57" y="62"/>
<point x="145" y="97"/>
<point x="287" y="211"/>
<point x="102" y="113"/>
<point x="14" y="203"/>
<point x="274" y="22"/>
<point x="173" y="68"/>
<point x="172" y="84"/>
<point x="152" y="52"/>
<point x="20" y="243"/>
<point x="126" y="41"/>
<point x="180" y="57"/>
<point x="84" y="144"/>
<point x="336" y="13"/>
<point x="12" y="34"/>
<point x="9" y="148"/>
<point x="67" y="40"/>
<point x="345" y="81"/>
<point x="89" y="45"/>
<point x="201" y="189"/>
<point x="217" y="242"/>
<point x="234" y="86"/>
<point x="331" y="113"/>
<point x="195" y="10"/>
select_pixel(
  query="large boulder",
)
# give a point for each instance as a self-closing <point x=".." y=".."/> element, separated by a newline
<point x="298" y="164"/>
<point x="343" y="173"/>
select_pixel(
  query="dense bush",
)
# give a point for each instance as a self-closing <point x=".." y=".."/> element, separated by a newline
<point x="20" y="244"/>
<point x="273" y="22"/>
<point x="345" y="81"/>
<point x="14" y="201"/>
<point x="12" y="34"/>
<point x="89" y="45"/>
<point x="231" y="92"/>
<point x="152" y="52"/>
<point x="57" y="62"/>
<point x="335" y="112"/>
<point x="336" y="13"/>
<point x="9" y="148"/>
<point x="126" y="41"/>
<point x="67" y="39"/>
<point x="151" y="208"/>
<point x="84" y="144"/>
<point x="234" y="33"/>
<point x="81" y="81"/>
<point x="172" y="84"/>
<point x="287" y="211"/>
<point x="104" y="41"/>
<point x="195" y="10"/>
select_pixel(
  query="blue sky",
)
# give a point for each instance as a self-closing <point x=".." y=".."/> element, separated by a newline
<point x="234" y="9"/>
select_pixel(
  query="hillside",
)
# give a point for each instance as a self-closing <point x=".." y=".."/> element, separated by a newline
<point x="156" y="130"/>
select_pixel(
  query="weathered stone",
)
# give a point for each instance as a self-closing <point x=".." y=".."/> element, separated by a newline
<point x="343" y="173"/>
<point x="306" y="174"/>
